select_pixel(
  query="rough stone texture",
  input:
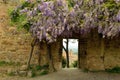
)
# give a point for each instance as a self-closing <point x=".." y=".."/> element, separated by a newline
<point x="14" y="44"/>
<point x="94" y="53"/>
<point x="82" y="53"/>
<point x="102" y="53"/>
<point x="29" y="73"/>
<point x="56" y="55"/>
<point x="44" y="59"/>
<point x="11" y="71"/>
<point x="23" y="68"/>
<point x="43" y="54"/>
<point x="112" y="53"/>
<point x="14" y="48"/>
<point x="22" y="73"/>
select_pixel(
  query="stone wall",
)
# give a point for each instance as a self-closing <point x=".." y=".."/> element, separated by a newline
<point x="15" y="45"/>
<point x="102" y="53"/>
<point x="55" y="56"/>
<point x="112" y="53"/>
<point x="43" y="54"/>
<point x="94" y="53"/>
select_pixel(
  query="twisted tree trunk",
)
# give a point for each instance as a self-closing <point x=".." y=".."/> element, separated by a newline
<point x="31" y="52"/>
<point x="67" y="54"/>
<point x="51" y="64"/>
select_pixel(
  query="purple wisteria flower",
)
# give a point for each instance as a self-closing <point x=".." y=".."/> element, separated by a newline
<point x="24" y="10"/>
<point x="59" y="2"/>
<point x="118" y="16"/>
<point x="29" y="1"/>
<point x="50" y="19"/>
<point x="117" y="1"/>
<point x="72" y="13"/>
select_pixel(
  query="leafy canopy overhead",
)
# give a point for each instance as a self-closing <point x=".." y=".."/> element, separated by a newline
<point x="53" y="18"/>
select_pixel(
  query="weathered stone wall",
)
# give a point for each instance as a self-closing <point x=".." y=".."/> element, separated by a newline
<point x="55" y="56"/>
<point x="43" y="56"/>
<point x="14" y="46"/>
<point x="112" y="53"/>
<point x="94" y="53"/>
<point x="102" y="53"/>
<point x="82" y="53"/>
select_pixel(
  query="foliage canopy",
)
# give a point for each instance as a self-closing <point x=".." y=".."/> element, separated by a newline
<point x="49" y="19"/>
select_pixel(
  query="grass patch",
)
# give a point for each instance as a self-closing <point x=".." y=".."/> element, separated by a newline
<point x="33" y="73"/>
<point x="44" y="72"/>
<point x="4" y="63"/>
<point x="74" y="64"/>
<point x="85" y="70"/>
<point x="38" y="70"/>
<point x="113" y="70"/>
<point x="63" y="62"/>
<point x="11" y="74"/>
<point x="38" y="67"/>
<point x="92" y="71"/>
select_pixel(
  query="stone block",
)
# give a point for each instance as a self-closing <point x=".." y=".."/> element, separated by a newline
<point x="22" y="73"/>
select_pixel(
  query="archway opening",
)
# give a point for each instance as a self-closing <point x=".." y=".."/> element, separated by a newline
<point x="70" y="53"/>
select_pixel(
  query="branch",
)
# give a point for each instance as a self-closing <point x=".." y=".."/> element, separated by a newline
<point x="31" y="52"/>
<point x="64" y="48"/>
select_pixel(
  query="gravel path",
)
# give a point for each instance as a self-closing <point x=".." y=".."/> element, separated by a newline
<point x="70" y="74"/>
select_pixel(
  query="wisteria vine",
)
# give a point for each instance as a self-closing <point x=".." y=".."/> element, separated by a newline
<point x="54" y="18"/>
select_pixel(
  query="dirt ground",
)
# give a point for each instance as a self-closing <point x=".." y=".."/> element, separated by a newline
<point x="70" y="74"/>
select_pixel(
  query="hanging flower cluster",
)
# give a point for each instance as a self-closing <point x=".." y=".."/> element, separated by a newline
<point x="51" y="19"/>
<point x="101" y="14"/>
